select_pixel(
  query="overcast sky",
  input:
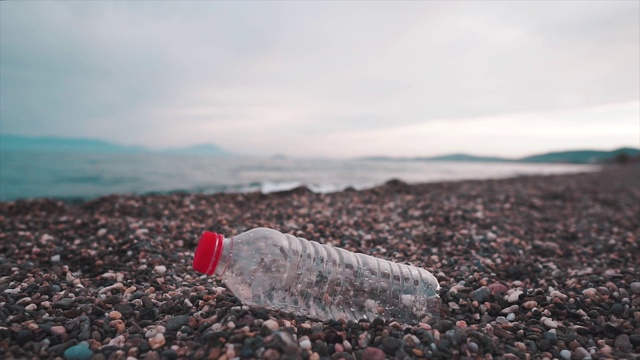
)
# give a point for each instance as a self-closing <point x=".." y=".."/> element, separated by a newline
<point x="326" y="78"/>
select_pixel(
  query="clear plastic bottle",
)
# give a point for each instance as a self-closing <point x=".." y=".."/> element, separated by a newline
<point x="266" y="268"/>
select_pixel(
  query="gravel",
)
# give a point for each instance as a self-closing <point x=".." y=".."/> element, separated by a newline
<point x="530" y="267"/>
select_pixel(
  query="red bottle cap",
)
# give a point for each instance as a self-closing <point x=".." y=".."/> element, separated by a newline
<point x="208" y="253"/>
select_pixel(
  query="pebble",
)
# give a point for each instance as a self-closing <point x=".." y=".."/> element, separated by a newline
<point x="23" y="336"/>
<point x="622" y="343"/>
<point x="115" y="315"/>
<point x="285" y="343"/>
<point x="176" y="322"/>
<point x="305" y="343"/>
<point x="530" y="304"/>
<point x="565" y="354"/>
<point x="635" y="287"/>
<point x="391" y="344"/>
<point x="514" y="297"/>
<point x="160" y="269"/>
<point x="31" y="307"/>
<point x="271" y="324"/>
<point x="58" y="330"/>
<point x="480" y="295"/>
<point x="510" y="309"/>
<point x="550" y="323"/>
<point x="372" y="353"/>
<point x="78" y="352"/>
<point x="64" y="304"/>
<point x="581" y="353"/>
<point x="157" y="341"/>
<point x="347" y="346"/>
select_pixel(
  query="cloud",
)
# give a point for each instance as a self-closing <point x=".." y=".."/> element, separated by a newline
<point x="257" y="77"/>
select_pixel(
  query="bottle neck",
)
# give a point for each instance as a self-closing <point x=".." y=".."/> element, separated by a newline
<point x="225" y="257"/>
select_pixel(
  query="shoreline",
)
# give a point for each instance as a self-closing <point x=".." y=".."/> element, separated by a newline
<point x="531" y="266"/>
<point x="280" y="188"/>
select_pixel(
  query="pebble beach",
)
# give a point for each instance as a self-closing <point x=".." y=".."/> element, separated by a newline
<point x="535" y="267"/>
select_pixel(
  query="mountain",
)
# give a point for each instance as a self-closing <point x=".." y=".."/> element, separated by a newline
<point x="465" y="157"/>
<point x="575" y="157"/>
<point x="200" y="149"/>
<point x="82" y="145"/>
<point x="582" y="156"/>
<point x="55" y="144"/>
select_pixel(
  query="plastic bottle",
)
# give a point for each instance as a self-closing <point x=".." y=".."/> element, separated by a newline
<point x="266" y="268"/>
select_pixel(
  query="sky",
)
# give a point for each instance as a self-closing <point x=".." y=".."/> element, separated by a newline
<point x="326" y="79"/>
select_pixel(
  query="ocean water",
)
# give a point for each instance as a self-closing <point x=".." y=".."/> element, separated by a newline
<point x="86" y="176"/>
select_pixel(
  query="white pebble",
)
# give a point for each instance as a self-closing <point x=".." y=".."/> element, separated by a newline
<point x="271" y="324"/>
<point x="305" y="343"/>
<point x="55" y="258"/>
<point x="160" y="269"/>
<point x="551" y="324"/>
<point x="514" y="297"/>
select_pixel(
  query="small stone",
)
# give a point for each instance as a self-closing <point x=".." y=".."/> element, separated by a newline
<point x="157" y="341"/>
<point x="551" y="324"/>
<point x="364" y="339"/>
<point x="55" y="258"/>
<point x="271" y="324"/>
<point x="511" y="316"/>
<point x="64" y="304"/>
<point x="314" y="356"/>
<point x="305" y="343"/>
<point x="78" y="352"/>
<point x="558" y="294"/>
<point x="372" y="353"/>
<point x="498" y="288"/>
<point x="176" y="322"/>
<point x="480" y="295"/>
<point x="565" y="354"/>
<point x="273" y="354"/>
<point x="590" y="292"/>
<point x="102" y="232"/>
<point x="473" y="347"/>
<point x="160" y="269"/>
<point x="115" y="315"/>
<point x="514" y="297"/>
<point x="581" y="353"/>
<point x="347" y="346"/>
<point x="622" y="343"/>
<point x="31" y="307"/>
<point x="285" y="343"/>
<point x="23" y="337"/>
<point x="520" y="346"/>
<point x="510" y="309"/>
<point x="530" y="304"/>
<point x="58" y="330"/>
<point x="391" y="344"/>
<point x="635" y="287"/>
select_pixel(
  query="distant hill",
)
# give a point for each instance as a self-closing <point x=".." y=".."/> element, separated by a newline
<point x="466" y="157"/>
<point x="200" y="149"/>
<point x="582" y="156"/>
<point x="575" y="157"/>
<point x="82" y="145"/>
<point x="55" y="144"/>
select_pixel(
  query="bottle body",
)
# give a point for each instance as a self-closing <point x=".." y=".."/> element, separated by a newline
<point x="266" y="268"/>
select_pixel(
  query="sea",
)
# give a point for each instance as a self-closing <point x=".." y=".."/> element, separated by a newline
<point x="74" y="176"/>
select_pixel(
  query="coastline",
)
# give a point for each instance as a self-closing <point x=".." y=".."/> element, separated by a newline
<point x="532" y="266"/>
